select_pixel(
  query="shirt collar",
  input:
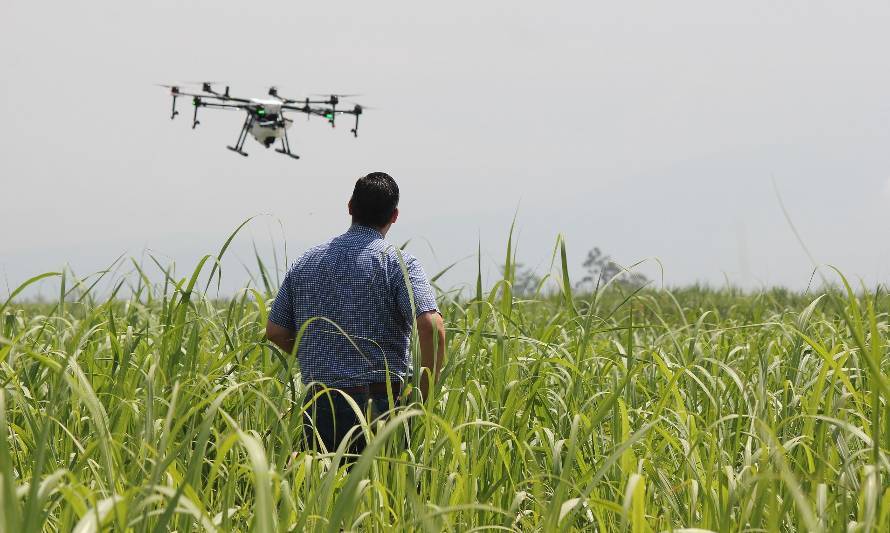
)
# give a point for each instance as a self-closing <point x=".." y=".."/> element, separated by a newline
<point x="358" y="229"/>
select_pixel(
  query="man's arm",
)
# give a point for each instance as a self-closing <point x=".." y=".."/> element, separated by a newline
<point x="282" y="312"/>
<point x="281" y="336"/>
<point x="431" y="334"/>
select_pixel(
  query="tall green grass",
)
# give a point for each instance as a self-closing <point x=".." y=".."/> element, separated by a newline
<point x="643" y="411"/>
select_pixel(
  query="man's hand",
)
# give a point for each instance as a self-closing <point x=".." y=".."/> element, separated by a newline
<point x="281" y="336"/>
<point x="431" y="333"/>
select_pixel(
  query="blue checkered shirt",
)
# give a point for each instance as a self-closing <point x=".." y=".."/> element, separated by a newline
<point x="355" y="281"/>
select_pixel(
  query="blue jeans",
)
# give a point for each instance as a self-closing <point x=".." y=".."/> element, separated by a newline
<point x="333" y="417"/>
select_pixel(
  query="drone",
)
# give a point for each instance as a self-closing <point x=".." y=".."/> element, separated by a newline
<point x="265" y="119"/>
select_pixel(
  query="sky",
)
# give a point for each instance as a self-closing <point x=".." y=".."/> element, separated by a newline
<point x="662" y="132"/>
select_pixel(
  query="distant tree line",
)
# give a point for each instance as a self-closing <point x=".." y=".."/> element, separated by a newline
<point x="599" y="269"/>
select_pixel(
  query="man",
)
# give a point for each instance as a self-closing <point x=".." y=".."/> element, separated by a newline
<point x="352" y="295"/>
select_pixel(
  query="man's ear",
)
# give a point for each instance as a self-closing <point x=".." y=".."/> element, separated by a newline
<point x="349" y="206"/>
<point x="395" y="216"/>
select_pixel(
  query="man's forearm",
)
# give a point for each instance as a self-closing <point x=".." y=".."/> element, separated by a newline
<point x="281" y="337"/>
<point x="431" y="333"/>
<point x="286" y="345"/>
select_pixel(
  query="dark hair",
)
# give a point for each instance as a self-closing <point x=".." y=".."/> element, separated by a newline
<point x="374" y="199"/>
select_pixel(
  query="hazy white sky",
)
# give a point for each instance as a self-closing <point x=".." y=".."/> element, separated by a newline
<point x="650" y="129"/>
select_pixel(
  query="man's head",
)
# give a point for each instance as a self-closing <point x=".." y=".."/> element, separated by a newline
<point x="375" y="201"/>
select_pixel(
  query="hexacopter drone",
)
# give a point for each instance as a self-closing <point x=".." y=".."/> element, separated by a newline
<point x="265" y="119"/>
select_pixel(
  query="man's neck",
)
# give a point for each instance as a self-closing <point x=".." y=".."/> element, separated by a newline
<point x="382" y="231"/>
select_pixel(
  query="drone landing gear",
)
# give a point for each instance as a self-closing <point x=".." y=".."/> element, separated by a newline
<point x="285" y="147"/>
<point x="285" y="152"/>
<point x="239" y="144"/>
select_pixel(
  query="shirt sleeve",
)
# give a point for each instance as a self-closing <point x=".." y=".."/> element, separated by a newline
<point x="282" y="312"/>
<point x="424" y="295"/>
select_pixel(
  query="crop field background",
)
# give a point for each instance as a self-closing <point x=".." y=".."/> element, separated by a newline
<point x="160" y="408"/>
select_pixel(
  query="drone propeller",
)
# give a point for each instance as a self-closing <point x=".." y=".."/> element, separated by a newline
<point x="334" y="99"/>
<point x="273" y="92"/>
<point x="207" y="87"/>
<point x="173" y="88"/>
<point x="361" y="108"/>
<point x="338" y="95"/>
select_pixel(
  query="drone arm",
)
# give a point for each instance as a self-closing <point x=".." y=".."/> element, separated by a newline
<point x="327" y="113"/>
<point x="301" y="109"/>
<point x="198" y="102"/>
<point x="308" y="109"/>
<point x="216" y="105"/>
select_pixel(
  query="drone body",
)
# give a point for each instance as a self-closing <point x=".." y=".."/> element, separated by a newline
<point x="269" y="124"/>
<point x="265" y="119"/>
